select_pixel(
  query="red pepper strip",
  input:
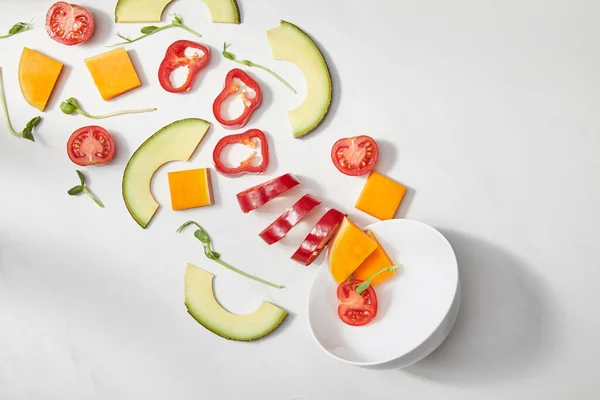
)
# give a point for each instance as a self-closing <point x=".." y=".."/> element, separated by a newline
<point x="175" y="57"/>
<point x="248" y="138"/>
<point x="319" y="237"/>
<point x="231" y="88"/>
<point x="282" y="225"/>
<point x="256" y="196"/>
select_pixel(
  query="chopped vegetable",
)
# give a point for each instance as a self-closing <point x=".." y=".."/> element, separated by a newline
<point x="17" y="28"/>
<point x="27" y="132"/>
<point x="348" y="249"/>
<point x="152" y="29"/>
<point x="203" y="237"/>
<point x="250" y="138"/>
<point x="355" y="156"/>
<point x="318" y="237"/>
<point x="71" y="106"/>
<point x="38" y="75"/>
<point x="353" y="308"/>
<point x="69" y="24"/>
<point x="377" y="260"/>
<point x="248" y="63"/>
<point x="251" y="98"/>
<point x="178" y="55"/>
<point x="113" y="73"/>
<point x="190" y="189"/>
<point x="82" y="188"/>
<point x="282" y="225"/>
<point x="259" y="195"/>
<point x="380" y="197"/>
<point x="365" y="285"/>
<point x="91" y="145"/>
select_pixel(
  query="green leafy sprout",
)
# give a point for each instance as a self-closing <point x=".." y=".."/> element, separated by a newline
<point x="18" y="28"/>
<point x="71" y="106"/>
<point x="152" y="29"/>
<point x="230" y="56"/>
<point x="82" y="188"/>
<point x="27" y="132"/>
<point x="203" y="237"/>
<point x="364" y="285"/>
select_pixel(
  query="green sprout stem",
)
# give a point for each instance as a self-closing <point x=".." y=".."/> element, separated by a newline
<point x="26" y="133"/>
<point x="364" y="285"/>
<point x="82" y="188"/>
<point x="18" y="28"/>
<point x="230" y="56"/>
<point x="203" y="237"/>
<point x="152" y="29"/>
<point x="71" y="106"/>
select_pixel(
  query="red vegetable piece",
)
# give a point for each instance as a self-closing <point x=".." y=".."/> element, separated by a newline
<point x="319" y="237"/>
<point x="355" y="156"/>
<point x="353" y="308"/>
<point x="259" y="195"/>
<point x="282" y="225"/>
<point x="176" y="57"/>
<point x="69" y="24"/>
<point x="250" y="139"/>
<point x="232" y="88"/>
<point x="91" y="145"/>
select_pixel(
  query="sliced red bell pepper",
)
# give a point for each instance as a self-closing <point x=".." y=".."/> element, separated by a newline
<point x="259" y="195"/>
<point x="231" y="88"/>
<point x="250" y="139"/>
<point x="319" y="236"/>
<point x="282" y="225"/>
<point x="176" y="57"/>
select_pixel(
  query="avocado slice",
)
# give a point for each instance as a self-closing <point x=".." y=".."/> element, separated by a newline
<point x="201" y="303"/>
<point x="223" y="11"/>
<point x="174" y="142"/>
<point x="290" y="43"/>
<point x="140" y="10"/>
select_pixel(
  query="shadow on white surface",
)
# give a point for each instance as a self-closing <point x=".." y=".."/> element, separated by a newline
<point x="267" y="101"/>
<point x="504" y="323"/>
<point x="388" y="154"/>
<point x="103" y="24"/>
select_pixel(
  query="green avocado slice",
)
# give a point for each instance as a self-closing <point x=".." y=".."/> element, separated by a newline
<point x="290" y="43"/>
<point x="223" y="11"/>
<point x="175" y="142"/>
<point x="201" y="303"/>
<point x="140" y="10"/>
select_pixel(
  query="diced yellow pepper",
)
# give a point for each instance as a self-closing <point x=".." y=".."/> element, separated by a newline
<point x="190" y="188"/>
<point x="380" y="197"/>
<point x="113" y="73"/>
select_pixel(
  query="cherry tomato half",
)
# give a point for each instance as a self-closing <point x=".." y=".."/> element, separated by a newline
<point x="355" y="156"/>
<point x="69" y="24"/>
<point x="353" y="308"/>
<point x="91" y="145"/>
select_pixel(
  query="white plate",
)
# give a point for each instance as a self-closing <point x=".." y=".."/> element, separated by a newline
<point x="417" y="307"/>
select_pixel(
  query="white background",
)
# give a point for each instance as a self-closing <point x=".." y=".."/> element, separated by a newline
<point x="487" y="110"/>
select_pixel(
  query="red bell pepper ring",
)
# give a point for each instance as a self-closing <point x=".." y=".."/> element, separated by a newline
<point x="231" y="88"/>
<point x="259" y="195"/>
<point x="318" y="238"/>
<point x="250" y="139"/>
<point x="176" y="57"/>
<point x="282" y="225"/>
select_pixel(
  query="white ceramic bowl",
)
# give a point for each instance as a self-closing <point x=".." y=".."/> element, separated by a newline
<point x="417" y="307"/>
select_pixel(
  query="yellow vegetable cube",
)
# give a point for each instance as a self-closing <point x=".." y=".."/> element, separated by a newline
<point x="380" y="197"/>
<point x="38" y="74"/>
<point x="113" y="73"/>
<point x="190" y="188"/>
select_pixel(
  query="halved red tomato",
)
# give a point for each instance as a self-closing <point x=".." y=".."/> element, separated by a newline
<point x="91" y="145"/>
<point x="355" y="156"/>
<point x="69" y="24"/>
<point x="353" y="308"/>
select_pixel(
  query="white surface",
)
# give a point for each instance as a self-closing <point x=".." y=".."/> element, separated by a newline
<point x="487" y="110"/>
<point x="412" y="305"/>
